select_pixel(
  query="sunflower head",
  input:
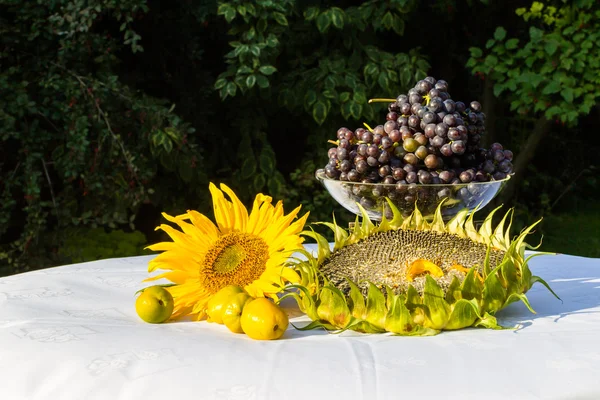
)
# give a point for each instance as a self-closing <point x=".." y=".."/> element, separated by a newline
<point x="249" y="250"/>
<point x="411" y="276"/>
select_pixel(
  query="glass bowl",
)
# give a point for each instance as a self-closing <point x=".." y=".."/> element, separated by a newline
<point x="372" y="196"/>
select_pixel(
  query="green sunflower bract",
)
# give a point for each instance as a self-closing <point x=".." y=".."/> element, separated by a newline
<point x="410" y="276"/>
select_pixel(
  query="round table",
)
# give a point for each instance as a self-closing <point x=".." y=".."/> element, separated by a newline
<point x="72" y="332"/>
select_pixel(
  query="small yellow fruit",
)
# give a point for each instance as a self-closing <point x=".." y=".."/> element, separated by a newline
<point x="154" y="305"/>
<point x="216" y="304"/>
<point x="264" y="320"/>
<point x="233" y="312"/>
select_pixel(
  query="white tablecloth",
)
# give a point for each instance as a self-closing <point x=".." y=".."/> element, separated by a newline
<point x="72" y="332"/>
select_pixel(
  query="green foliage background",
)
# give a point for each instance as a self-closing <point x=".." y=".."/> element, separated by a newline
<point x="114" y="111"/>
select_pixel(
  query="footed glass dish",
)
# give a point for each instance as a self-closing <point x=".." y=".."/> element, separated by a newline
<point x="372" y="196"/>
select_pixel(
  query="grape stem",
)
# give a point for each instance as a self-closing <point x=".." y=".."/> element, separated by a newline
<point x="382" y="101"/>
<point x="336" y="142"/>
<point x="368" y="127"/>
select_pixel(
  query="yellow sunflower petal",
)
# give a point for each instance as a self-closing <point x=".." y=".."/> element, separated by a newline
<point x="222" y="210"/>
<point x="240" y="214"/>
<point x="174" y="276"/>
<point x="204" y="224"/>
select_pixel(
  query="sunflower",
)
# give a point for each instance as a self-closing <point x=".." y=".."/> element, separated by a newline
<point x="246" y="250"/>
<point x="410" y="276"/>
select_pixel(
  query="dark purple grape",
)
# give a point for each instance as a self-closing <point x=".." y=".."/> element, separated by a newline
<point x="342" y="154"/>
<point x="373" y="151"/>
<point x="423" y="87"/>
<point x="496" y="146"/>
<point x="441" y="85"/>
<point x="372" y="161"/>
<point x="332" y="152"/>
<point x="450" y="106"/>
<point x="398" y="173"/>
<point x="341" y="133"/>
<point x="441" y="130"/>
<point x="391" y="116"/>
<point x="409" y="168"/>
<point x="402" y="99"/>
<point x="389" y="180"/>
<point x="395" y="162"/>
<point x="333" y="162"/>
<point x="384" y="157"/>
<point x="367" y="202"/>
<point x="353" y="176"/>
<point x="475" y="106"/>
<point x="352" y="155"/>
<point x="395" y="136"/>
<point x="437" y="141"/>
<point x="498" y="156"/>
<point x="453" y="134"/>
<point x="384" y="170"/>
<point x="386" y="142"/>
<point x="505" y="166"/>
<point x="402" y="121"/>
<point x="413" y="121"/>
<point x="345" y="166"/>
<point x="331" y="172"/>
<point x="367" y="137"/>
<point x="394" y="107"/>
<point x="421" y="152"/>
<point x="434" y="93"/>
<point x="450" y="120"/>
<point x="390" y="126"/>
<point x="431" y="161"/>
<point x="429" y="117"/>
<point x="481" y="176"/>
<point x="410" y="158"/>
<point x="436" y="105"/>
<point x="362" y="149"/>
<point x="362" y="167"/>
<point x="429" y="130"/>
<point x="405" y="109"/>
<point x="425" y="177"/>
<point x="349" y="135"/>
<point x="430" y="79"/>
<point x="498" y="176"/>
<point x="460" y="107"/>
<point x="415" y="108"/>
<point x="488" y="167"/>
<point x="446" y="150"/>
<point x="411" y="177"/>
<point x="406" y="134"/>
<point x="415" y="98"/>
<point x="445" y="176"/>
<point x="412" y="91"/>
<point x="377" y="138"/>
<point x="466" y="176"/>
<point x="458" y="147"/>
<point x="343" y="176"/>
<point x="508" y="155"/>
<point x="379" y="130"/>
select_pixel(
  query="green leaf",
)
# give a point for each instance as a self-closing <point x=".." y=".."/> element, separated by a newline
<point x="490" y="43"/>
<point x="344" y="97"/>
<point x="266" y="162"/>
<point x="220" y="83"/>
<point x="384" y="81"/>
<point x="552" y="87"/>
<point x="359" y="310"/>
<point x="388" y="20"/>
<point x="464" y="314"/>
<point x="311" y="13"/>
<point x="500" y="33"/>
<point x="398" y="25"/>
<point x="280" y="18"/>
<point x="227" y="11"/>
<point x="250" y="81"/>
<point x="323" y="22"/>
<point x="376" y="310"/>
<point x="231" y="89"/>
<point x="494" y="294"/>
<point x="310" y="98"/>
<point x="337" y="17"/>
<point x="475" y="52"/>
<point x="356" y="110"/>
<point x="433" y="298"/>
<point x="267" y="69"/>
<point x="333" y="307"/>
<point x="567" y="94"/>
<point x="535" y="33"/>
<point x="511" y="44"/>
<point x="262" y="81"/>
<point x="406" y="77"/>
<point x="551" y="46"/>
<point x="319" y="112"/>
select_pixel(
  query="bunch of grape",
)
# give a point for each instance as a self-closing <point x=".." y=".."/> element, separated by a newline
<point x="427" y="138"/>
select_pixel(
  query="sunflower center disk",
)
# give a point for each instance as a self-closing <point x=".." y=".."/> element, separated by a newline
<point x="400" y="258"/>
<point x="237" y="258"/>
